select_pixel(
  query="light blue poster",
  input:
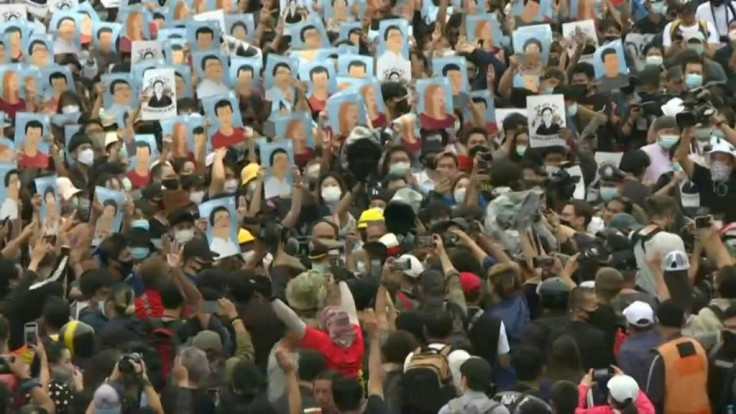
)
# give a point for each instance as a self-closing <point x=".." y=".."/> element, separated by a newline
<point x="279" y="76"/>
<point x="119" y="93"/>
<point x="320" y="75"/>
<point x="297" y="128"/>
<point x="246" y="72"/>
<point x="485" y="99"/>
<point x="203" y="35"/>
<point x="241" y="26"/>
<point x="50" y="204"/>
<point x="484" y="31"/>
<point x="534" y="11"/>
<point x="222" y="226"/>
<point x="435" y="104"/>
<point x="278" y="158"/>
<point x="32" y="131"/>
<point x="57" y="79"/>
<point x="39" y="50"/>
<point x="227" y="129"/>
<point x="66" y="27"/>
<point x="345" y="111"/>
<point x="455" y="70"/>
<point x="9" y="191"/>
<point x="111" y="219"/>
<point x="532" y="42"/>
<point x="609" y="63"/>
<point x="105" y="36"/>
<point x="308" y="35"/>
<point x="355" y="66"/>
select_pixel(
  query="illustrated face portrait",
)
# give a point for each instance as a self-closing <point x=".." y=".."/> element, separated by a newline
<point x="354" y="37"/>
<point x="14" y="183"/>
<point x="109" y="211"/>
<point x="456" y="80"/>
<point x="14" y="38"/>
<point x="340" y="8"/>
<point x="182" y="11"/>
<point x="105" y="40"/>
<point x="3" y="53"/>
<point x="547" y="116"/>
<point x="181" y="85"/>
<point x="222" y="219"/>
<point x="213" y="70"/>
<point x="33" y="135"/>
<point x="320" y="81"/>
<point x="39" y="54"/>
<point x="283" y="77"/>
<point x="86" y="25"/>
<point x="369" y="95"/>
<point x="135" y="26"/>
<point x="143" y="155"/>
<point x="532" y="49"/>
<point x="58" y="84"/>
<point x="122" y="93"/>
<point x="204" y="40"/>
<point x="610" y="63"/>
<point x="177" y="56"/>
<point x="356" y="71"/>
<point x="312" y="39"/>
<point x="280" y="165"/>
<point x="67" y="30"/>
<point x="394" y="40"/>
<point x="6" y="153"/>
<point x="351" y="114"/>
<point x="158" y="88"/>
<point x="485" y="31"/>
<point x="225" y="115"/>
<point x="239" y="32"/>
<point x="298" y="135"/>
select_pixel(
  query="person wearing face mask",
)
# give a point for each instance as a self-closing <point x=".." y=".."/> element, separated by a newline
<point x="667" y="132"/>
<point x="696" y="46"/>
<point x="196" y="186"/>
<point x="81" y="149"/>
<point x="248" y="179"/>
<point x="655" y="20"/>
<point x="686" y="23"/>
<point x="718" y="13"/>
<point x="716" y="184"/>
<point x="196" y="256"/>
<point x="397" y="162"/>
<point x="721" y="377"/>
<point x="182" y="226"/>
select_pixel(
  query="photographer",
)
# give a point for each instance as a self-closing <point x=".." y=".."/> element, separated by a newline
<point x="624" y="395"/>
<point x="127" y="389"/>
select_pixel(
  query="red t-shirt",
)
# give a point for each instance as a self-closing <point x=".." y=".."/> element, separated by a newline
<point x="346" y="361"/>
<point x="139" y="181"/>
<point x="40" y="160"/>
<point x="220" y="140"/>
<point x="317" y="104"/>
<point x="149" y="305"/>
<point x="433" y="124"/>
<point x="12" y="109"/>
<point x="379" y="122"/>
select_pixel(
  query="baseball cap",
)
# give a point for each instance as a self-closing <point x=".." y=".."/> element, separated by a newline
<point x="639" y="314"/>
<point x="415" y="266"/>
<point x="670" y="314"/>
<point x="307" y="291"/>
<point x="372" y="215"/>
<point x="721" y="145"/>
<point x="676" y="260"/>
<point x="477" y="372"/>
<point x="207" y="341"/>
<point x="249" y="172"/>
<point x="624" y="222"/>
<point x="66" y="188"/>
<point x="152" y="192"/>
<point x="198" y="247"/>
<point x="623" y="388"/>
<point x="470" y="283"/>
<point x="106" y="399"/>
<point x="694" y="36"/>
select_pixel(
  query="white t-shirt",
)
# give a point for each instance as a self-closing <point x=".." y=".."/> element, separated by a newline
<point x="659" y="245"/>
<point x="717" y="16"/>
<point x="712" y="33"/>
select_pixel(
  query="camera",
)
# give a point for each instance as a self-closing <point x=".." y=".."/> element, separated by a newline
<point x="125" y="364"/>
<point x="698" y="109"/>
<point x="599" y="375"/>
<point x="401" y="265"/>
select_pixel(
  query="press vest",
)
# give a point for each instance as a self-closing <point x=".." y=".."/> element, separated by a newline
<point x="685" y="376"/>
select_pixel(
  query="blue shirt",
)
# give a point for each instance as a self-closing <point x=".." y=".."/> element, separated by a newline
<point x="636" y="355"/>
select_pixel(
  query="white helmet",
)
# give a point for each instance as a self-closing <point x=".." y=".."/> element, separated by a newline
<point x="676" y="260"/>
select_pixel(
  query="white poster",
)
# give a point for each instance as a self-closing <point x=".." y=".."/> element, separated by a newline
<point x="214" y="15"/>
<point x="575" y="171"/>
<point x="573" y="29"/>
<point x="145" y="50"/>
<point x="111" y="4"/>
<point x="502" y="113"/>
<point x="62" y="5"/>
<point x="13" y="12"/>
<point x="612" y="158"/>
<point x="546" y="117"/>
<point x="159" y="94"/>
<point x="38" y="8"/>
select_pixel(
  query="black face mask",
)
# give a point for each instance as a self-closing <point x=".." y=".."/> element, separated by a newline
<point x="170" y="184"/>
<point x="728" y="339"/>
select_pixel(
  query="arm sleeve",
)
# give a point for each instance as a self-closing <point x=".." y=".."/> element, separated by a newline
<point x="288" y="317"/>
<point x="503" y="341"/>
<point x="701" y="176"/>
<point x="666" y="40"/>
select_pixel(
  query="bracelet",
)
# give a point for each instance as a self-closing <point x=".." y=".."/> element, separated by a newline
<point x="235" y="319"/>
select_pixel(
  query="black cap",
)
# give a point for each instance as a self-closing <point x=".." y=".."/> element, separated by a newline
<point x="153" y="192"/>
<point x="670" y="314"/>
<point x="77" y="141"/>
<point x="478" y="374"/>
<point x="179" y="216"/>
<point x="513" y="121"/>
<point x="198" y="247"/>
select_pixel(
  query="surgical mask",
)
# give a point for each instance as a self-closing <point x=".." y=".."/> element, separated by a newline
<point x="86" y="157"/>
<point x="551" y="169"/>
<point x="608" y="193"/>
<point x="196" y="197"/>
<point x="572" y="110"/>
<point x="668" y="141"/>
<point x="732" y="35"/>
<point x="702" y="134"/>
<point x="331" y="194"/>
<point x="69" y="109"/>
<point x="698" y="48"/>
<point x="658" y="7"/>
<point x="720" y="171"/>
<point x="521" y="150"/>
<point x="693" y="80"/>
<point x="141" y="224"/>
<point x="459" y="195"/>
<point x="231" y="185"/>
<point x="139" y="253"/>
<point x="247" y="255"/>
<point x="127" y="186"/>
<point x="399" y="169"/>
<point x="654" y="60"/>
<point x="183" y="236"/>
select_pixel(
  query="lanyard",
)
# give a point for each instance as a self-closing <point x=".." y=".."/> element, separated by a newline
<point x="728" y="7"/>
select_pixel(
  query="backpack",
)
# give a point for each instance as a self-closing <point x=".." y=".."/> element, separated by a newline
<point x="427" y="382"/>
<point x="166" y="342"/>
<point x="478" y="406"/>
<point x="702" y="27"/>
<point x="638" y="238"/>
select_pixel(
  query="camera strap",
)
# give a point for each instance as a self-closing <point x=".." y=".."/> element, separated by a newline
<point x="727" y="7"/>
<point x="720" y="188"/>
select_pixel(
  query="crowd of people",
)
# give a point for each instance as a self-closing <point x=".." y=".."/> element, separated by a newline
<point x="368" y="206"/>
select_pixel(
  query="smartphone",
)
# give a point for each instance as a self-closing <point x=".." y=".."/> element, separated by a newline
<point x="30" y="334"/>
<point x="210" y="306"/>
<point x="401" y="265"/>
<point x="450" y="239"/>
<point x="543" y="261"/>
<point x="425" y="241"/>
<point x="602" y="373"/>
<point x="704" y="222"/>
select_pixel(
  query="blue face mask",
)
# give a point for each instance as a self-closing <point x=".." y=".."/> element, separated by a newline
<point x="668" y="141"/>
<point x="521" y="150"/>
<point x="693" y="80"/>
<point x="608" y="193"/>
<point x="572" y="110"/>
<point x="658" y="7"/>
<point x="698" y="48"/>
<point x="141" y="224"/>
<point x="139" y="253"/>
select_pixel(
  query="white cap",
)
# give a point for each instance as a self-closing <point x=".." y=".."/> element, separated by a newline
<point x="66" y="188"/>
<point x="639" y="314"/>
<point x="415" y="266"/>
<point x="389" y="240"/>
<point x="622" y="388"/>
<point x="721" y="145"/>
<point x="588" y="284"/>
<point x="696" y="35"/>
<point x="676" y="260"/>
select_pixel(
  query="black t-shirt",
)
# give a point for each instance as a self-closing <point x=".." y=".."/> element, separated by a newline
<point x="376" y="405"/>
<point x="718" y="197"/>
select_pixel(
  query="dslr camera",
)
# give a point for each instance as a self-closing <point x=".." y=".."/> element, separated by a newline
<point x="125" y="364"/>
<point x="698" y="109"/>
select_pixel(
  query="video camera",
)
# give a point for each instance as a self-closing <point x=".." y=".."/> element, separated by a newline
<point x="698" y="109"/>
<point x="559" y="186"/>
<point x="125" y="364"/>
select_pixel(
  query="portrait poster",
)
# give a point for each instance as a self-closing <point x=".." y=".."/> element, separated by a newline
<point x="278" y="77"/>
<point x="532" y="43"/>
<point x="203" y="36"/>
<point x="7" y="151"/>
<point x="435" y="104"/>
<point x="351" y="31"/>
<point x="136" y="22"/>
<point x="143" y="50"/>
<point x="222" y="226"/>
<point x="295" y="11"/>
<point x="528" y="81"/>
<point x="177" y="131"/>
<point x="355" y="66"/>
<point x="113" y="210"/>
<point x="216" y="15"/>
<point x="393" y="62"/>
<point x="33" y="79"/>
<point x="182" y="80"/>
<point x="13" y="12"/>
<point x="484" y="31"/>
<point x="178" y="11"/>
<point x="105" y="36"/>
<point x="66" y="27"/>
<point x="173" y="49"/>
<point x="471" y="7"/>
<point x="38" y="8"/>
<point x="546" y="117"/>
<point x="15" y="35"/>
<point x="454" y="69"/>
<point x="309" y="35"/>
<point x="533" y="11"/>
<point x="10" y="88"/>
<point x="609" y="63"/>
<point x="279" y="103"/>
<point x="278" y="158"/>
<point x="172" y="33"/>
<point x="211" y="68"/>
<point x="119" y="93"/>
<point x="245" y="74"/>
<point x="89" y="16"/>
<point x="226" y="129"/>
<point x="571" y="30"/>
<point x="635" y="44"/>
<point x="62" y="5"/>
<point x="69" y="131"/>
<point x="338" y="12"/>
<point x="345" y="83"/>
<point x="50" y="203"/>
<point x="241" y="27"/>
<point x="9" y="191"/>
<point x="40" y="50"/>
<point x="320" y="77"/>
<point x="585" y="9"/>
<point x="159" y="94"/>
<point x="297" y="129"/>
<point x="31" y="131"/>
<point x="345" y="111"/>
<point x="370" y="91"/>
<point x="145" y="153"/>
<point x="57" y="79"/>
<point x="430" y="10"/>
<point x="485" y="99"/>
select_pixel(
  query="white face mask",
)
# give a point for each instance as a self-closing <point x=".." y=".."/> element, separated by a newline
<point x="183" y="236"/>
<point x="196" y="197"/>
<point x="460" y="195"/>
<point x="86" y="157"/>
<point x="231" y="185"/>
<point x="720" y="171"/>
<point x="69" y="109"/>
<point x="551" y="169"/>
<point x="331" y="194"/>
<point x="399" y="169"/>
<point x="654" y="60"/>
<point x="247" y="255"/>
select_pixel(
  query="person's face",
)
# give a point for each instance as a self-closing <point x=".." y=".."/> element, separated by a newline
<point x="67" y="30"/>
<point x="280" y="165"/>
<point x="143" y="155"/>
<point x="395" y="40"/>
<point x="225" y="115"/>
<point x="324" y="231"/>
<point x="475" y="140"/>
<point x="312" y="39"/>
<point x="580" y="79"/>
<point x="222" y="220"/>
<point x="568" y="214"/>
<point x="351" y="114"/>
<point x="213" y="70"/>
<point x="354" y="38"/>
<point x="323" y="395"/>
<point x="122" y="93"/>
<point x="39" y="54"/>
<point x="446" y="165"/>
<point x="456" y="80"/>
<point x="612" y="208"/>
<point x="320" y="81"/>
<point x="158" y="88"/>
<point x="399" y="156"/>
<point x="204" y="40"/>
<point x="694" y="69"/>
<point x="356" y="71"/>
<point x="106" y="41"/>
<point x="610" y="62"/>
<point x="547" y="117"/>
<point x="177" y="56"/>
<point x="33" y="136"/>
<point x="283" y="77"/>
